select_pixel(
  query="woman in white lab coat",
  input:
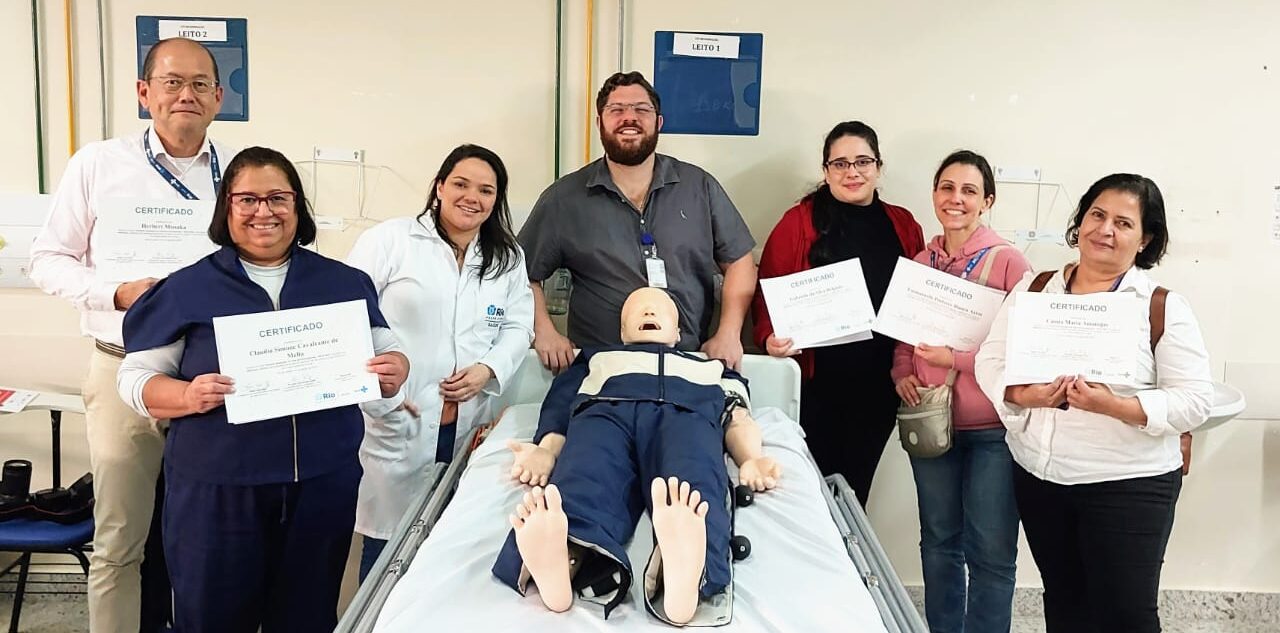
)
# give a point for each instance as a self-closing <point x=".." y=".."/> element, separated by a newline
<point x="453" y="287"/>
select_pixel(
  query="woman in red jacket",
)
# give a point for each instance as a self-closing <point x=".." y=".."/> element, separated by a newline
<point x="848" y="404"/>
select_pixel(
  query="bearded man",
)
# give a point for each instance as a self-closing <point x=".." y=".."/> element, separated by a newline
<point x="636" y="218"/>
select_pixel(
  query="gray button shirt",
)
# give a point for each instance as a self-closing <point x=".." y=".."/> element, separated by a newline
<point x="585" y="224"/>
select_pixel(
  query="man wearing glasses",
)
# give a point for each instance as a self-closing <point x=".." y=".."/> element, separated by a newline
<point x="637" y="218"/>
<point x="172" y="160"/>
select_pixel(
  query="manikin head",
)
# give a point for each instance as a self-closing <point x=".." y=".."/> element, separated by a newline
<point x="650" y="316"/>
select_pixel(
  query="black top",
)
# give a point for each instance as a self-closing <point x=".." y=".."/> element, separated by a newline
<point x="846" y="231"/>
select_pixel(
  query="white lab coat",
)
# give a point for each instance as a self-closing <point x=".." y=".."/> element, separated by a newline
<point x="444" y="321"/>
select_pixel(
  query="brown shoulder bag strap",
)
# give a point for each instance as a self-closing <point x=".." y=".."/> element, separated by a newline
<point x="1158" y="298"/>
<point x="1040" y="281"/>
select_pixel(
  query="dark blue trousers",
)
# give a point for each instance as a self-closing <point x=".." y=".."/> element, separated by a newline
<point x="268" y="555"/>
<point x="612" y="452"/>
<point x="157" y="602"/>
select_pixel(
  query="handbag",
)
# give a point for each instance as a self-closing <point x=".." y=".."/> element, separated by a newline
<point x="925" y="429"/>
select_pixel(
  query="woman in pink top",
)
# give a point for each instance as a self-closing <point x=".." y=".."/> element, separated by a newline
<point x="967" y="511"/>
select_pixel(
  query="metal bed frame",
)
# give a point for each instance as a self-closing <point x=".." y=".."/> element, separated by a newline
<point x="439" y="484"/>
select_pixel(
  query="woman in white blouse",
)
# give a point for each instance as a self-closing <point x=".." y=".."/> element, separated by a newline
<point x="453" y="286"/>
<point x="1098" y="467"/>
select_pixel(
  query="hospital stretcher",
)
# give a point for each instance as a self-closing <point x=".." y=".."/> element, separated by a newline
<point x="815" y="564"/>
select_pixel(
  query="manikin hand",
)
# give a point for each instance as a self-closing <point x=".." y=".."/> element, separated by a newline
<point x="533" y="463"/>
<point x="760" y="474"/>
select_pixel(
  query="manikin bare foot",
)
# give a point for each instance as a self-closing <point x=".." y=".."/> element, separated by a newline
<point x="542" y="536"/>
<point x="680" y="527"/>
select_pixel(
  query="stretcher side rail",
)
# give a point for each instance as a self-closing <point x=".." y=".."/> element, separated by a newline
<point x="896" y="608"/>
<point x="439" y="484"/>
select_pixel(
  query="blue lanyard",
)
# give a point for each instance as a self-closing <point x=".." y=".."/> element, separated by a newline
<point x="933" y="261"/>
<point x="172" y="179"/>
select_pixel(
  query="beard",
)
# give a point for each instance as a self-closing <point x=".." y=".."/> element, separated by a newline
<point x="628" y="154"/>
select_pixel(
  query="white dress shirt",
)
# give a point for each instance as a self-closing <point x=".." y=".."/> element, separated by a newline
<point x="62" y="255"/>
<point x="140" y="366"/>
<point x="1174" y="387"/>
<point x="445" y="321"/>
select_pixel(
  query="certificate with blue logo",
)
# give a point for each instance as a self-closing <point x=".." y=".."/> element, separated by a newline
<point x="1095" y="336"/>
<point x="924" y="305"/>
<point x="135" y="238"/>
<point x="295" y="361"/>
<point x="828" y="305"/>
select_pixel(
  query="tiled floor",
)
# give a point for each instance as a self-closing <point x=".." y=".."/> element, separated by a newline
<point x="48" y="614"/>
<point x="1036" y="625"/>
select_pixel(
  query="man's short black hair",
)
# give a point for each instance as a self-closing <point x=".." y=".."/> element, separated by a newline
<point x="149" y="62"/>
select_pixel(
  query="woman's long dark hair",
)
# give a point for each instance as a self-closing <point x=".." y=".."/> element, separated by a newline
<point x="498" y="249"/>
<point x="820" y="252"/>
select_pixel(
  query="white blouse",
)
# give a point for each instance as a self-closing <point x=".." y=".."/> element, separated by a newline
<point x="1173" y="385"/>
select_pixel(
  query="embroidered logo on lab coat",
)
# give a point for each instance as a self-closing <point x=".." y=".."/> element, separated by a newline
<point x="494" y="316"/>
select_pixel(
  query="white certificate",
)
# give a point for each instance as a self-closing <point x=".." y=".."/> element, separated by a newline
<point x="924" y="305"/>
<point x="1091" y="335"/>
<point x="135" y="238"/>
<point x="294" y="361"/>
<point x="823" y="306"/>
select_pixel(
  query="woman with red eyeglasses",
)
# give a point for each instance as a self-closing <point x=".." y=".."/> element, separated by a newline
<point x="257" y="517"/>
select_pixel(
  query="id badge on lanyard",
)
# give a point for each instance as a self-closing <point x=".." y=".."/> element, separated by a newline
<point x="655" y="269"/>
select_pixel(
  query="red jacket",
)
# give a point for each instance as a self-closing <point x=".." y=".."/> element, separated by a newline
<point x="787" y="251"/>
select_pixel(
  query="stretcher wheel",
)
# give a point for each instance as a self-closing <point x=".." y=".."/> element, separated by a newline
<point x="741" y="547"/>
<point x="743" y="497"/>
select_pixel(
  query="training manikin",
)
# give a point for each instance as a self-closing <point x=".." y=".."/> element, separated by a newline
<point x="626" y="428"/>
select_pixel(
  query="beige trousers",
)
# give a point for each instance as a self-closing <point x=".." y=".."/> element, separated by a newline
<point x="124" y="454"/>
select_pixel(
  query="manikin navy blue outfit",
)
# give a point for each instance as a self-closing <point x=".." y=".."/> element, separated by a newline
<point x="631" y="414"/>
<point x="257" y="517"/>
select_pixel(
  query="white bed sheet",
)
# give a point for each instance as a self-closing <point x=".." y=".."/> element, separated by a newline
<point x="798" y="577"/>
